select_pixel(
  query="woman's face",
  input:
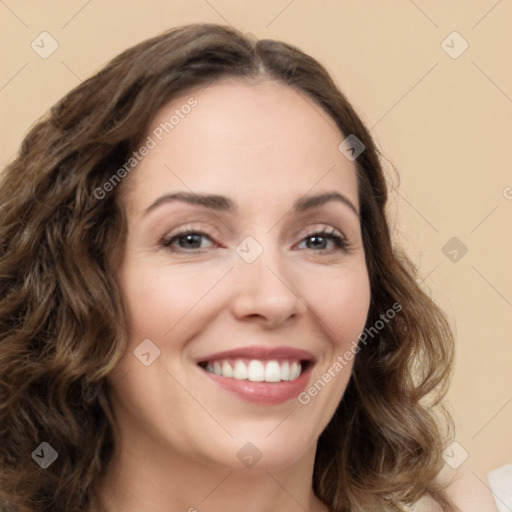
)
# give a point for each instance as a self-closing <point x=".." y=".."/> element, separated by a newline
<point x="269" y="282"/>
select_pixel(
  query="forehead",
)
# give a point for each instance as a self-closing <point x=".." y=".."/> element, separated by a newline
<point x="245" y="136"/>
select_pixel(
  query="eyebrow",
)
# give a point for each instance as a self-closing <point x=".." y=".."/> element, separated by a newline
<point x="223" y="203"/>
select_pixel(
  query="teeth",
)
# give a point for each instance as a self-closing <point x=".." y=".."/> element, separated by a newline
<point x="256" y="371"/>
<point x="272" y="372"/>
<point x="240" y="371"/>
<point x="294" y="371"/>
<point x="285" y="371"/>
<point x="226" y="370"/>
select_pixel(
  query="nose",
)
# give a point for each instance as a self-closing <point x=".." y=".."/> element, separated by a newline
<point x="265" y="290"/>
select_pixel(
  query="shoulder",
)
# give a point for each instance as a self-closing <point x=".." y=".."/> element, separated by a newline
<point x="468" y="491"/>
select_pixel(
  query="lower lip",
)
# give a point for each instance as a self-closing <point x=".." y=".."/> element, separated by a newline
<point x="268" y="393"/>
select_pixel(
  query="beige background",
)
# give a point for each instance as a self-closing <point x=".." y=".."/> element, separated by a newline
<point x="445" y="123"/>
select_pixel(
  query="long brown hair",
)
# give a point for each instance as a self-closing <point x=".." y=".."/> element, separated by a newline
<point x="62" y="316"/>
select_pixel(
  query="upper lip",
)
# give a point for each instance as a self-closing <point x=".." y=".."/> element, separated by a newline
<point x="261" y="352"/>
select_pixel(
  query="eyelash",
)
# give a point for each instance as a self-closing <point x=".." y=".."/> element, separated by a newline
<point x="339" y="241"/>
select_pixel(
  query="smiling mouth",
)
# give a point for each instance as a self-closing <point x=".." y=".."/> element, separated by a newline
<point x="257" y="370"/>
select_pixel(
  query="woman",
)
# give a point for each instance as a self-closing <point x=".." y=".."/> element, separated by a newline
<point x="202" y="308"/>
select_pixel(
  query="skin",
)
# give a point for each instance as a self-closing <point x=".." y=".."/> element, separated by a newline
<point x="179" y="434"/>
<point x="467" y="490"/>
<point x="264" y="146"/>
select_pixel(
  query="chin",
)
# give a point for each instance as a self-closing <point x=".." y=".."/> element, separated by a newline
<point x="279" y="450"/>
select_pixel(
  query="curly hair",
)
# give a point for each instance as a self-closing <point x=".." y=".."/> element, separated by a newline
<point x="63" y="319"/>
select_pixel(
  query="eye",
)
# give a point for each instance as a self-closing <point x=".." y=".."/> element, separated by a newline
<point x="187" y="239"/>
<point x="190" y="240"/>
<point x="319" y="240"/>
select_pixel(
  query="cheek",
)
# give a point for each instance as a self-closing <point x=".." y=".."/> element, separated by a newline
<point x="341" y="301"/>
<point x="160" y="298"/>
